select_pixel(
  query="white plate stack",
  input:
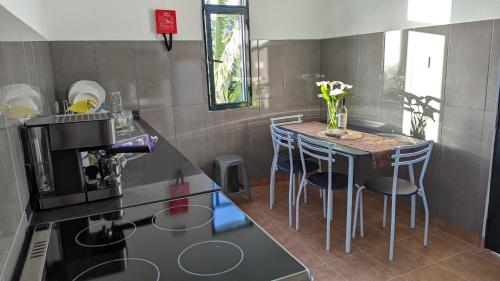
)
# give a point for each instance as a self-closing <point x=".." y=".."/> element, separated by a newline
<point x="22" y="95"/>
<point x="85" y="89"/>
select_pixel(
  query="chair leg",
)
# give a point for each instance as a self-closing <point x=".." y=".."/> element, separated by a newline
<point x="355" y="218"/>
<point x="358" y="210"/>
<point x="291" y="197"/>
<point x="272" y="186"/>
<point x="384" y="218"/>
<point x="329" y="217"/>
<point x="413" y="209"/>
<point x="361" y="214"/>
<point x="426" y="209"/>
<point x="297" y="204"/>
<point x="393" y="227"/>
<point x="324" y="203"/>
<point x="293" y="188"/>
<point x="305" y="194"/>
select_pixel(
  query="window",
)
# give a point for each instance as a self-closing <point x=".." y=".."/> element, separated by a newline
<point x="227" y="51"/>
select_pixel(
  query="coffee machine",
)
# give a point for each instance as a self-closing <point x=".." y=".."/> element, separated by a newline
<point x="73" y="158"/>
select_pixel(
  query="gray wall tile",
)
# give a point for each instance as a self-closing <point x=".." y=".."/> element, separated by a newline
<point x="116" y="72"/>
<point x="190" y="118"/>
<point x="162" y="120"/>
<point x="187" y="74"/>
<point x="461" y="147"/>
<point x="313" y="66"/>
<point x="467" y="69"/>
<point x="152" y="66"/>
<point x="272" y="63"/>
<point x="457" y="206"/>
<point x="492" y="90"/>
<point x="295" y="72"/>
<point x="486" y="150"/>
<point x="73" y="61"/>
<point x="369" y="78"/>
<point x="340" y="59"/>
<point x="10" y="205"/>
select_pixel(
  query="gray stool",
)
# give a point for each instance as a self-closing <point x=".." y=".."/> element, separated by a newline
<point x="225" y="163"/>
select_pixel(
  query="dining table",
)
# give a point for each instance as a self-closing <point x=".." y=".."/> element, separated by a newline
<point x="377" y="144"/>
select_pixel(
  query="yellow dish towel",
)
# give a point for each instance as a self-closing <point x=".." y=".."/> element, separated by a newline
<point x="18" y="111"/>
<point x="83" y="106"/>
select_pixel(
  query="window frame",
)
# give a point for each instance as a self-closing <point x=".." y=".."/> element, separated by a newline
<point x="241" y="10"/>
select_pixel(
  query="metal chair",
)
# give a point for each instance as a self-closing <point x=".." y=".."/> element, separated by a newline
<point x="286" y="120"/>
<point x="408" y="155"/>
<point x="284" y="139"/>
<point x="326" y="181"/>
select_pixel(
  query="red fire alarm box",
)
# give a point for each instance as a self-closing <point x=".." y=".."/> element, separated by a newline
<point x="166" y="22"/>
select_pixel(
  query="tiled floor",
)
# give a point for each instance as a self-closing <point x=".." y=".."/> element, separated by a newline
<point x="446" y="258"/>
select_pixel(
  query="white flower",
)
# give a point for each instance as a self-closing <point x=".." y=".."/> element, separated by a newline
<point x="345" y="86"/>
<point x="321" y="83"/>
<point x="335" y="92"/>
<point x="320" y="95"/>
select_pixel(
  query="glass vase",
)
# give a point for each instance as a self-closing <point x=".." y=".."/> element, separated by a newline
<point x="332" y="120"/>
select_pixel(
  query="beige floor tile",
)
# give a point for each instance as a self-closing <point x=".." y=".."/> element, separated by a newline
<point x="432" y="272"/>
<point x="304" y="254"/>
<point x="373" y="236"/>
<point x="487" y="255"/>
<point x="404" y="259"/>
<point x="398" y="278"/>
<point x="325" y="273"/>
<point x="472" y="267"/>
<point x="361" y="267"/>
<point x="437" y="249"/>
<point x="317" y="243"/>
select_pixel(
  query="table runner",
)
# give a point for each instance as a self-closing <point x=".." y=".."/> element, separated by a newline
<point x="381" y="148"/>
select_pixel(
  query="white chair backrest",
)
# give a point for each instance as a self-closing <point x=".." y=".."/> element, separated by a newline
<point x="409" y="155"/>
<point x="314" y="148"/>
<point x="290" y="119"/>
<point x="281" y="138"/>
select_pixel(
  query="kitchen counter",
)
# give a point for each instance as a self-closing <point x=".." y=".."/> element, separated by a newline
<point x="162" y="175"/>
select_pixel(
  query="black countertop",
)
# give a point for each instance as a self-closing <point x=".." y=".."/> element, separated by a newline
<point x="162" y="175"/>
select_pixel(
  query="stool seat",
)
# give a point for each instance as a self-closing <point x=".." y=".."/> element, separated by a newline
<point x="224" y="163"/>
<point x="228" y="160"/>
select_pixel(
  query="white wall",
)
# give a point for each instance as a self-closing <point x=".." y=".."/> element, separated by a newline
<point x="269" y="19"/>
<point x="13" y="29"/>
<point x="118" y="19"/>
<point x="133" y="19"/>
<point x="349" y="17"/>
<point x="28" y="11"/>
<point x="286" y="19"/>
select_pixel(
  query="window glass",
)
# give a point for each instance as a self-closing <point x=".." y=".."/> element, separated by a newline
<point x="227" y="53"/>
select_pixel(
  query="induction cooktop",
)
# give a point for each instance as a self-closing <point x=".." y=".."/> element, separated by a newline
<point x="203" y="237"/>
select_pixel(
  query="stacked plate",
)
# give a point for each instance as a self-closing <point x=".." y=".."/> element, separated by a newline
<point x="85" y="89"/>
<point x="22" y="95"/>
